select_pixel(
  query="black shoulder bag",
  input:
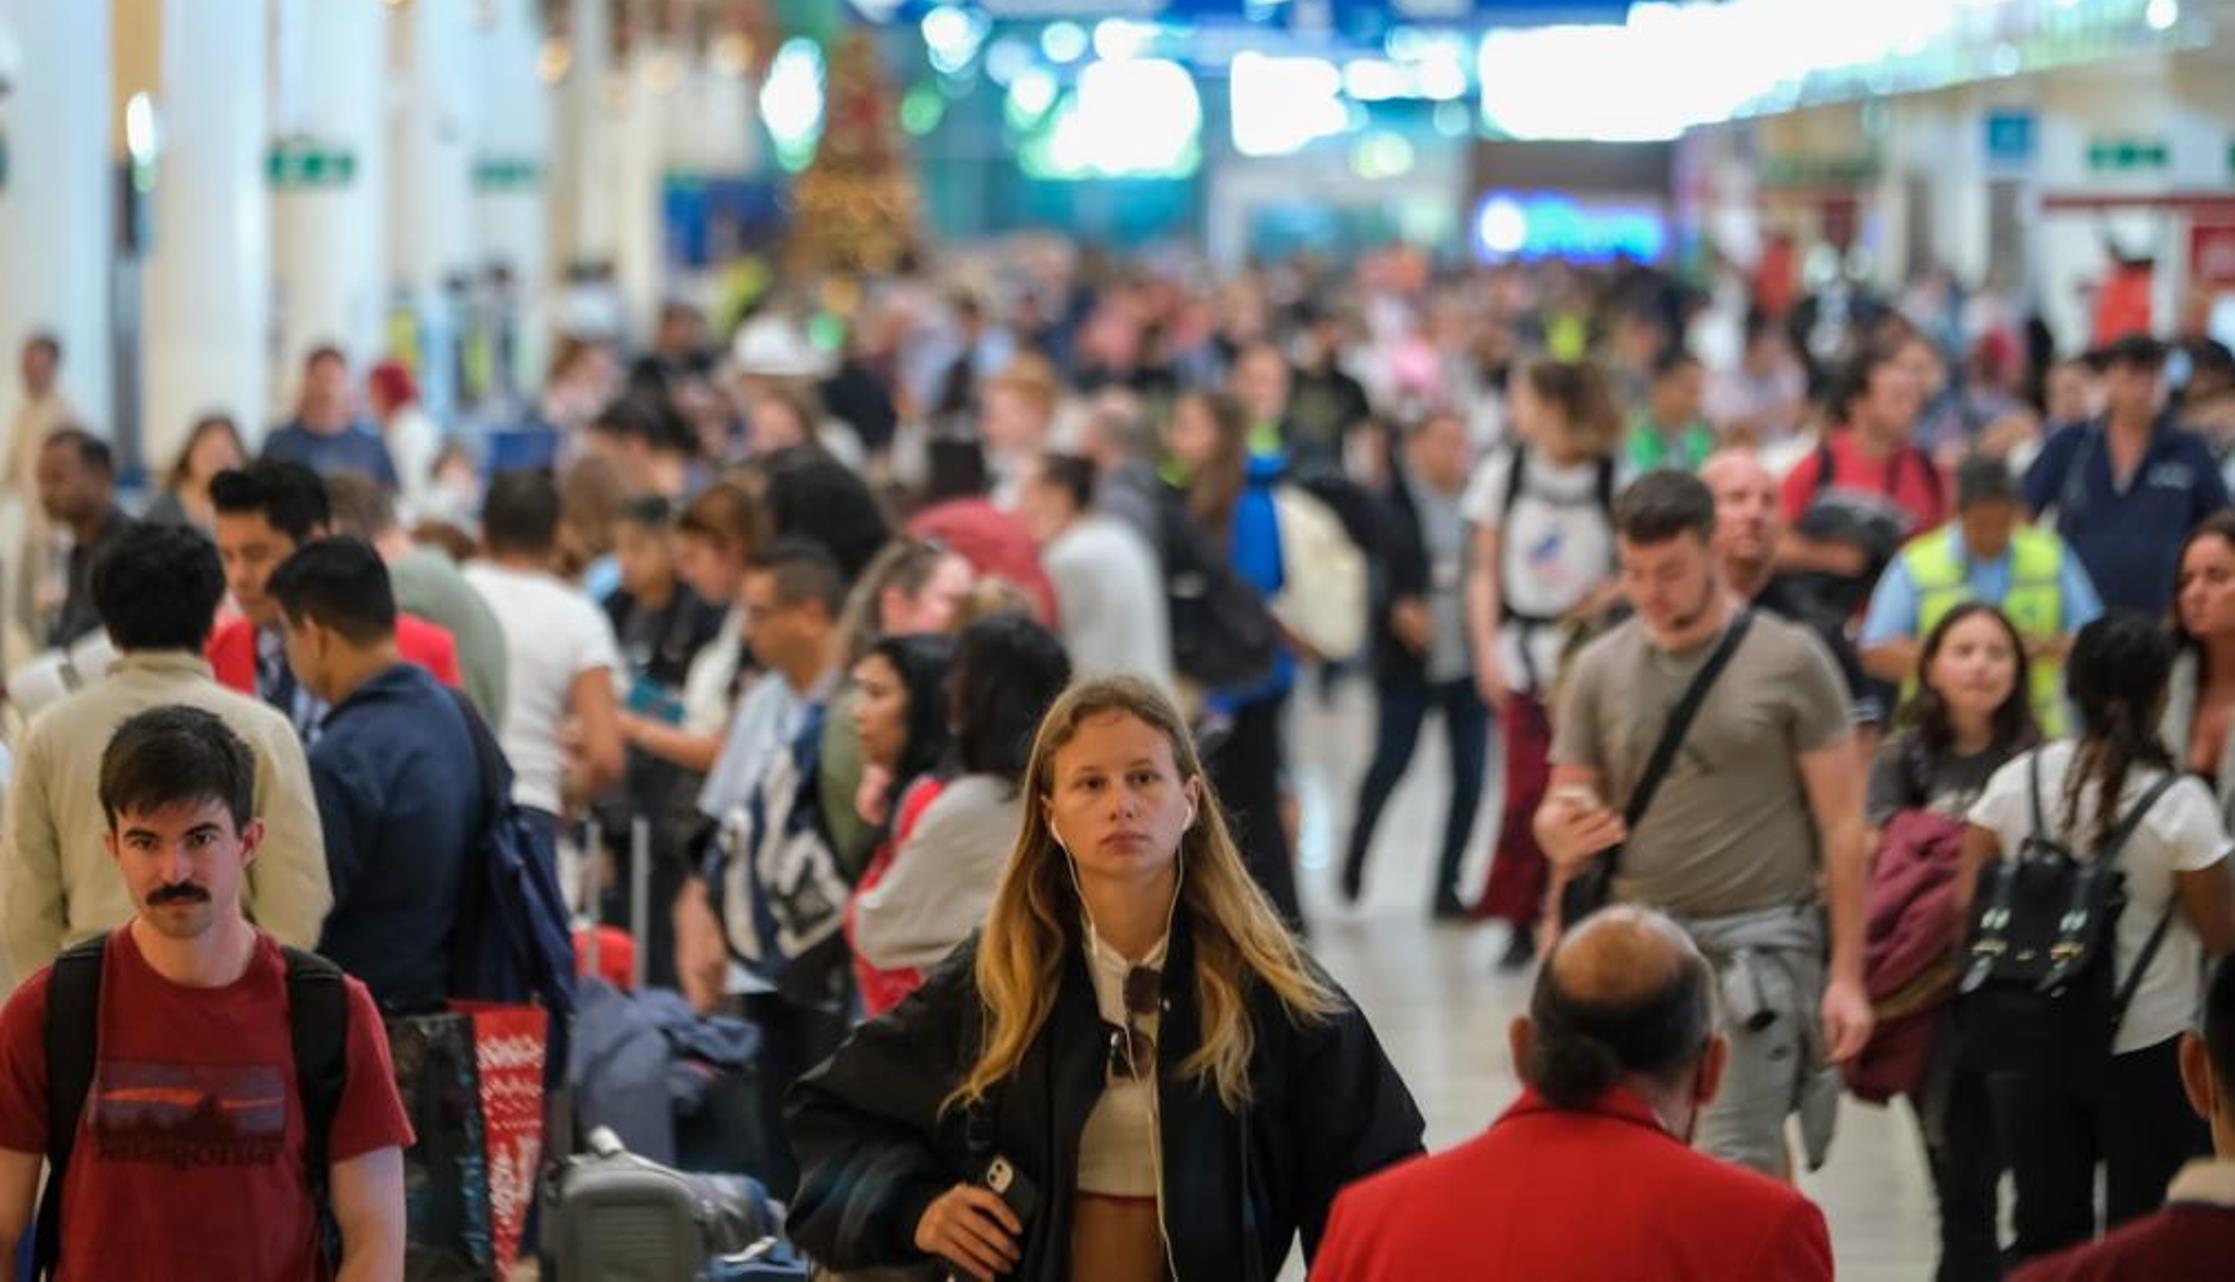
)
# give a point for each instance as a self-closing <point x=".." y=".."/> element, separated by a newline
<point x="1592" y="886"/>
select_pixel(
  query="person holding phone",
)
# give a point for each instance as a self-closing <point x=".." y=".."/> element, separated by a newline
<point x="1133" y="1073"/>
<point x="1751" y="834"/>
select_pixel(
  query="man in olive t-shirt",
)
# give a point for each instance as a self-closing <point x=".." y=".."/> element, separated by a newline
<point x="1758" y="819"/>
<point x="1730" y="830"/>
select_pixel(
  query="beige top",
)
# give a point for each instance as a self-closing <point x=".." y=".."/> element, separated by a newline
<point x="1117" y="1151"/>
<point x="57" y="882"/>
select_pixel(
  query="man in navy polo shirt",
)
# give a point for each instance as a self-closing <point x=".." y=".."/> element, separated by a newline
<point x="2128" y="487"/>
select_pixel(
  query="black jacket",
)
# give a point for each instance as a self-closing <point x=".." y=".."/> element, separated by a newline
<point x="875" y="1149"/>
<point x="1404" y="574"/>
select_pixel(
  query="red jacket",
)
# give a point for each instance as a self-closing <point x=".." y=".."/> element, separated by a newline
<point x="232" y="651"/>
<point x="2191" y="1240"/>
<point x="1555" y="1196"/>
<point x="993" y="542"/>
<point x="1909" y="949"/>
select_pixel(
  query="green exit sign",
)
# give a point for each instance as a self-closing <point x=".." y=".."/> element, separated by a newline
<point x="2115" y="154"/>
<point x="307" y="162"/>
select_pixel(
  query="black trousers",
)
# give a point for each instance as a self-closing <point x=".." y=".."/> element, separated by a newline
<point x="794" y="1039"/>
<point x="2139" y="1128"/>
<point x="1402" y="706"/>
<point x="1246" y="771"/>
<point x="1966" y="1164"/>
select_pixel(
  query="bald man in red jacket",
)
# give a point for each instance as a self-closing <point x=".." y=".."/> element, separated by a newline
<point x="1590" y="1176"/>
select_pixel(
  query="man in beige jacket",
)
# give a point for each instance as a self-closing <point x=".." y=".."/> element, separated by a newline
<point x="157" y="593"/>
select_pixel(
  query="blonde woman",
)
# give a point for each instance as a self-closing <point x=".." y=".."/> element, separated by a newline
<point x="1134" y="1047"/>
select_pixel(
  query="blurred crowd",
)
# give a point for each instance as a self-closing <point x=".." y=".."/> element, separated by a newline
<point x="765" y="614"/>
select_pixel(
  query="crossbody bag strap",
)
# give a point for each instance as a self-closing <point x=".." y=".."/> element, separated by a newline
<point x="1680" y="718"/>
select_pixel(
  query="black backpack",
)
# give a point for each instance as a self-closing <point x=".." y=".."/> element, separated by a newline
<point x="2039" y="995"/>
<point x="1223" y="636"/>
<point x="317" y="1029"/>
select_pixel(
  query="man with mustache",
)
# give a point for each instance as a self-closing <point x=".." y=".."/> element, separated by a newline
<point x="236" y="1093"/>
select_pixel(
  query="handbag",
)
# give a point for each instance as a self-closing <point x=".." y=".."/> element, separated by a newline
<point x="1593" y="885"/>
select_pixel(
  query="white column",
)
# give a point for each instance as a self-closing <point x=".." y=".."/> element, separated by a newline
<point x="512" y="181"/>
<point x="640" y="170"/>
<point x="328" y="195"/>
<point x="206" y="340"/>
<point x="57" y="232"/>
<point x="430" y="206"/>
<point x="587" y="130"/>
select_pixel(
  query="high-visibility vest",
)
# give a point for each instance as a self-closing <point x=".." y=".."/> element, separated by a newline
<point x="2034" y="602"/>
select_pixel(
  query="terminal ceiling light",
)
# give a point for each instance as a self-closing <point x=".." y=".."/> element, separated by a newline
<point x="1007" y="59"/>
<point x="1064" y="42"/>
<point x="1138" y="118"/>
<point x="952" y="34"/>
<point x="1116" y="39"/>
<point x="792" y="102"/>
<point x="2162" y="14"/>
<point x="1030" y="97"/>
<point x="1281" y="104"/>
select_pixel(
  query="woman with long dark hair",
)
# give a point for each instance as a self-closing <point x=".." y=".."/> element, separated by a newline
<point x="2199" y="723"/>
<point x="2136" y="1124"/>
<point x="1965" y="721"/>
<point x="928" y="886"/>
<point x="1135" y="1050"/>
<point x="1969" y="717"/>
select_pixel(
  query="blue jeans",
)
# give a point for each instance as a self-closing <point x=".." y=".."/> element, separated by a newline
<point x="1403" y="704"/>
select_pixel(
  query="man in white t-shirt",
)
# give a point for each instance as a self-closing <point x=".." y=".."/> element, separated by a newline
<point x="2176" y="874"/>
<point x="1109" y="589"/>
<point x="560" y="655"/>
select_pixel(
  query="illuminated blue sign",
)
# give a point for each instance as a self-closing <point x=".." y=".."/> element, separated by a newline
<point x="1531" y="225"/>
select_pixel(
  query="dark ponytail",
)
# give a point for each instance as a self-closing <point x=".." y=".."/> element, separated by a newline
<point x="2117" y="679"/>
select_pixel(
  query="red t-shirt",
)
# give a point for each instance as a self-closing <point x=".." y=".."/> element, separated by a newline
<point x="881" y="990"/>
<point x="1909" y="480"/>
<point x="189" y="1158"/>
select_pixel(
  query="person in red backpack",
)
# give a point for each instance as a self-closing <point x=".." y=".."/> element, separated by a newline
<point x="214" y="1122"/>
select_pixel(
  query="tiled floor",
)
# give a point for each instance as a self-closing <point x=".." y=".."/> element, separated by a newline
<point x="1437" y="1005"/>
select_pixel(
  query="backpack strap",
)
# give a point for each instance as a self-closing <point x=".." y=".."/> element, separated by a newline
<point x="73" y="1031"/>
<point x="1604" y="485"/>
<point x="1516" y="480"/>
<point x="318" y="1030"/>
<point x="2033" y="793"/>
<point x="2124" y="997"/>
<point x="1825" y="467"/>
<point x="473" y="887"/>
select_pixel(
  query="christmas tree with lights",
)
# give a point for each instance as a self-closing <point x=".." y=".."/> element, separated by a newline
<point x="855" y="208"/>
